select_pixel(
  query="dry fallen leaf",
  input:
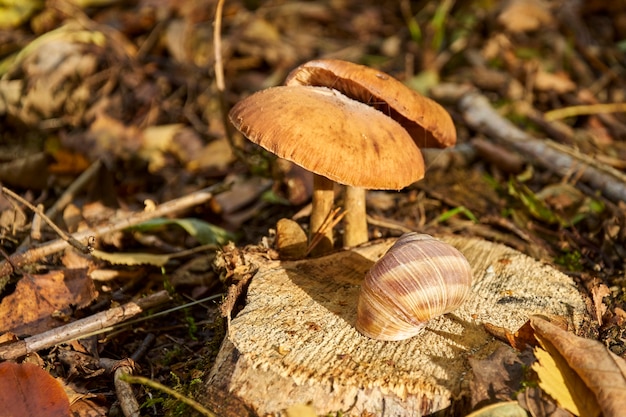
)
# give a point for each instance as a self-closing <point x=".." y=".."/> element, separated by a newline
<point x="498" y="377"/>
<point x="537" y="403"/>
<point x="29" y="309"/>
<point x="563" y="385"/>
<point x="559" y="82"/>
<point x="217" y="154"/>
<point x="525" y="15"/>
<point x="519" y="340"/>
<point x="598" y="292"/>
<point x="291" y="240"/>
<point x="601" y="372"/>
<point x="175" y="139"/>
<point x="27" y="391"/>
<point x="30" y="171"/>
<point x="55" y="65"/>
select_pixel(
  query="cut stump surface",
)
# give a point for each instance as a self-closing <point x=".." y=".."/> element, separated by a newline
<point x="295" y="341"/>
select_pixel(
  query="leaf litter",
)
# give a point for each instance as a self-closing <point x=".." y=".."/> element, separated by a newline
<point x="132" y="85"/>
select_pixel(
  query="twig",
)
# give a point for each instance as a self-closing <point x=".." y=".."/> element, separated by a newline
<point x="389" y="224"/>
<point x="331" y="220"/>
<point x="68" y="238"/>
<point x="98" y="323"/>
<point x="18" y="260"/>
<point x="478" y="114"/>
<point x="123" y="390"/>
<point x="584" y="109"/>
<point x="219" y="78"/>
<point x="217" y="46"/>
<point x="125" y="395"/>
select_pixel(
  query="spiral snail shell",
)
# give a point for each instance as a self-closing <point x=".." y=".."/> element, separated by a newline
<point x="417" y="279"/>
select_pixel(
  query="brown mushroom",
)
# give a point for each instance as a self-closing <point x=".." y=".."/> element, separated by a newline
<point x="427" y="122"/>
<point x="337" y="138"/>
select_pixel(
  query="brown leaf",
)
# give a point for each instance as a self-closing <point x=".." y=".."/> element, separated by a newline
<point x="68" y="163"/>
<point x="216" y="155"/>
<point x="519" y="340"/>
<point x="29" y="309"/>
<point x="28" y="391"/>
<point x="291" y="240"/>
<point x="525" y="15"/>
<point x="559" y="83"/>
<point x="109" y="136"/>
<point x="30" y="171"/>
<point x="598" y="292"/>
<point x="522" y="338"/>
<point x="603" y="372"/>
<point x="537" y="403"/>
<point x="498" y="377"/>
<point x="55" y="65"/>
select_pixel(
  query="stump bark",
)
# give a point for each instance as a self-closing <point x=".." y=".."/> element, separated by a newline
<point x="295" y="342"/>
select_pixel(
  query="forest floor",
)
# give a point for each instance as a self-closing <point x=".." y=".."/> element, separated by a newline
<point x="113" y="129"/>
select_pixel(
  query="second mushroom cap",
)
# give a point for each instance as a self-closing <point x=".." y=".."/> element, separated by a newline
<point x="427" y="122"/>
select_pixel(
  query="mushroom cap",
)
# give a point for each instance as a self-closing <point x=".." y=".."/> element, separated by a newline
<point x="331" y="135"/>
<point x="428" y="123"/>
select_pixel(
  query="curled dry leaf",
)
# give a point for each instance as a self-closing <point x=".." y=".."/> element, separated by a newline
<point x="598" y="292"/>
<point x="27" y="390"/>
<point x="602" y="372"/>
<point x="291" y="240"/>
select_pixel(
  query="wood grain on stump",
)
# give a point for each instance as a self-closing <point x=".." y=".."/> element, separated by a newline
<point x="295" y="341"/>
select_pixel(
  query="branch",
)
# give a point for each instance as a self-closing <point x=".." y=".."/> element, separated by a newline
<point x="481" y="116"/>
<point x="18" y="260"/>
<point x="97" y="323"/>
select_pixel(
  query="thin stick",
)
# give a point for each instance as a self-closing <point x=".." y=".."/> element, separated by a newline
<point x="479" y="115"/>
<point x="68" y="238"/>
<point x="584" y="109"/>
<point x="219" y="77"/>
<point x="18" y="260"/>
<point x="217" y="47"/>
<point x="98" y="323"/>
<point x="331" y="220"/>
<point x="123" y="389"/>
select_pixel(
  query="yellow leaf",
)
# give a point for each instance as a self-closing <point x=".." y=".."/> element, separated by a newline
<point x="559" y="381"/>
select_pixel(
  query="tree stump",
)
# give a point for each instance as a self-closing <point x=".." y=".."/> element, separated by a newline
<point x="295" y="341"/>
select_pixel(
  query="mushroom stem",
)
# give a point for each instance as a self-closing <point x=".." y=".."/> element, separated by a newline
<point x="355" y="221"/>
<point x="322" y="201"/>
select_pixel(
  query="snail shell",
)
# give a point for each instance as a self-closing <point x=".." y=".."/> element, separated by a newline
<point x="417" y="279"/>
